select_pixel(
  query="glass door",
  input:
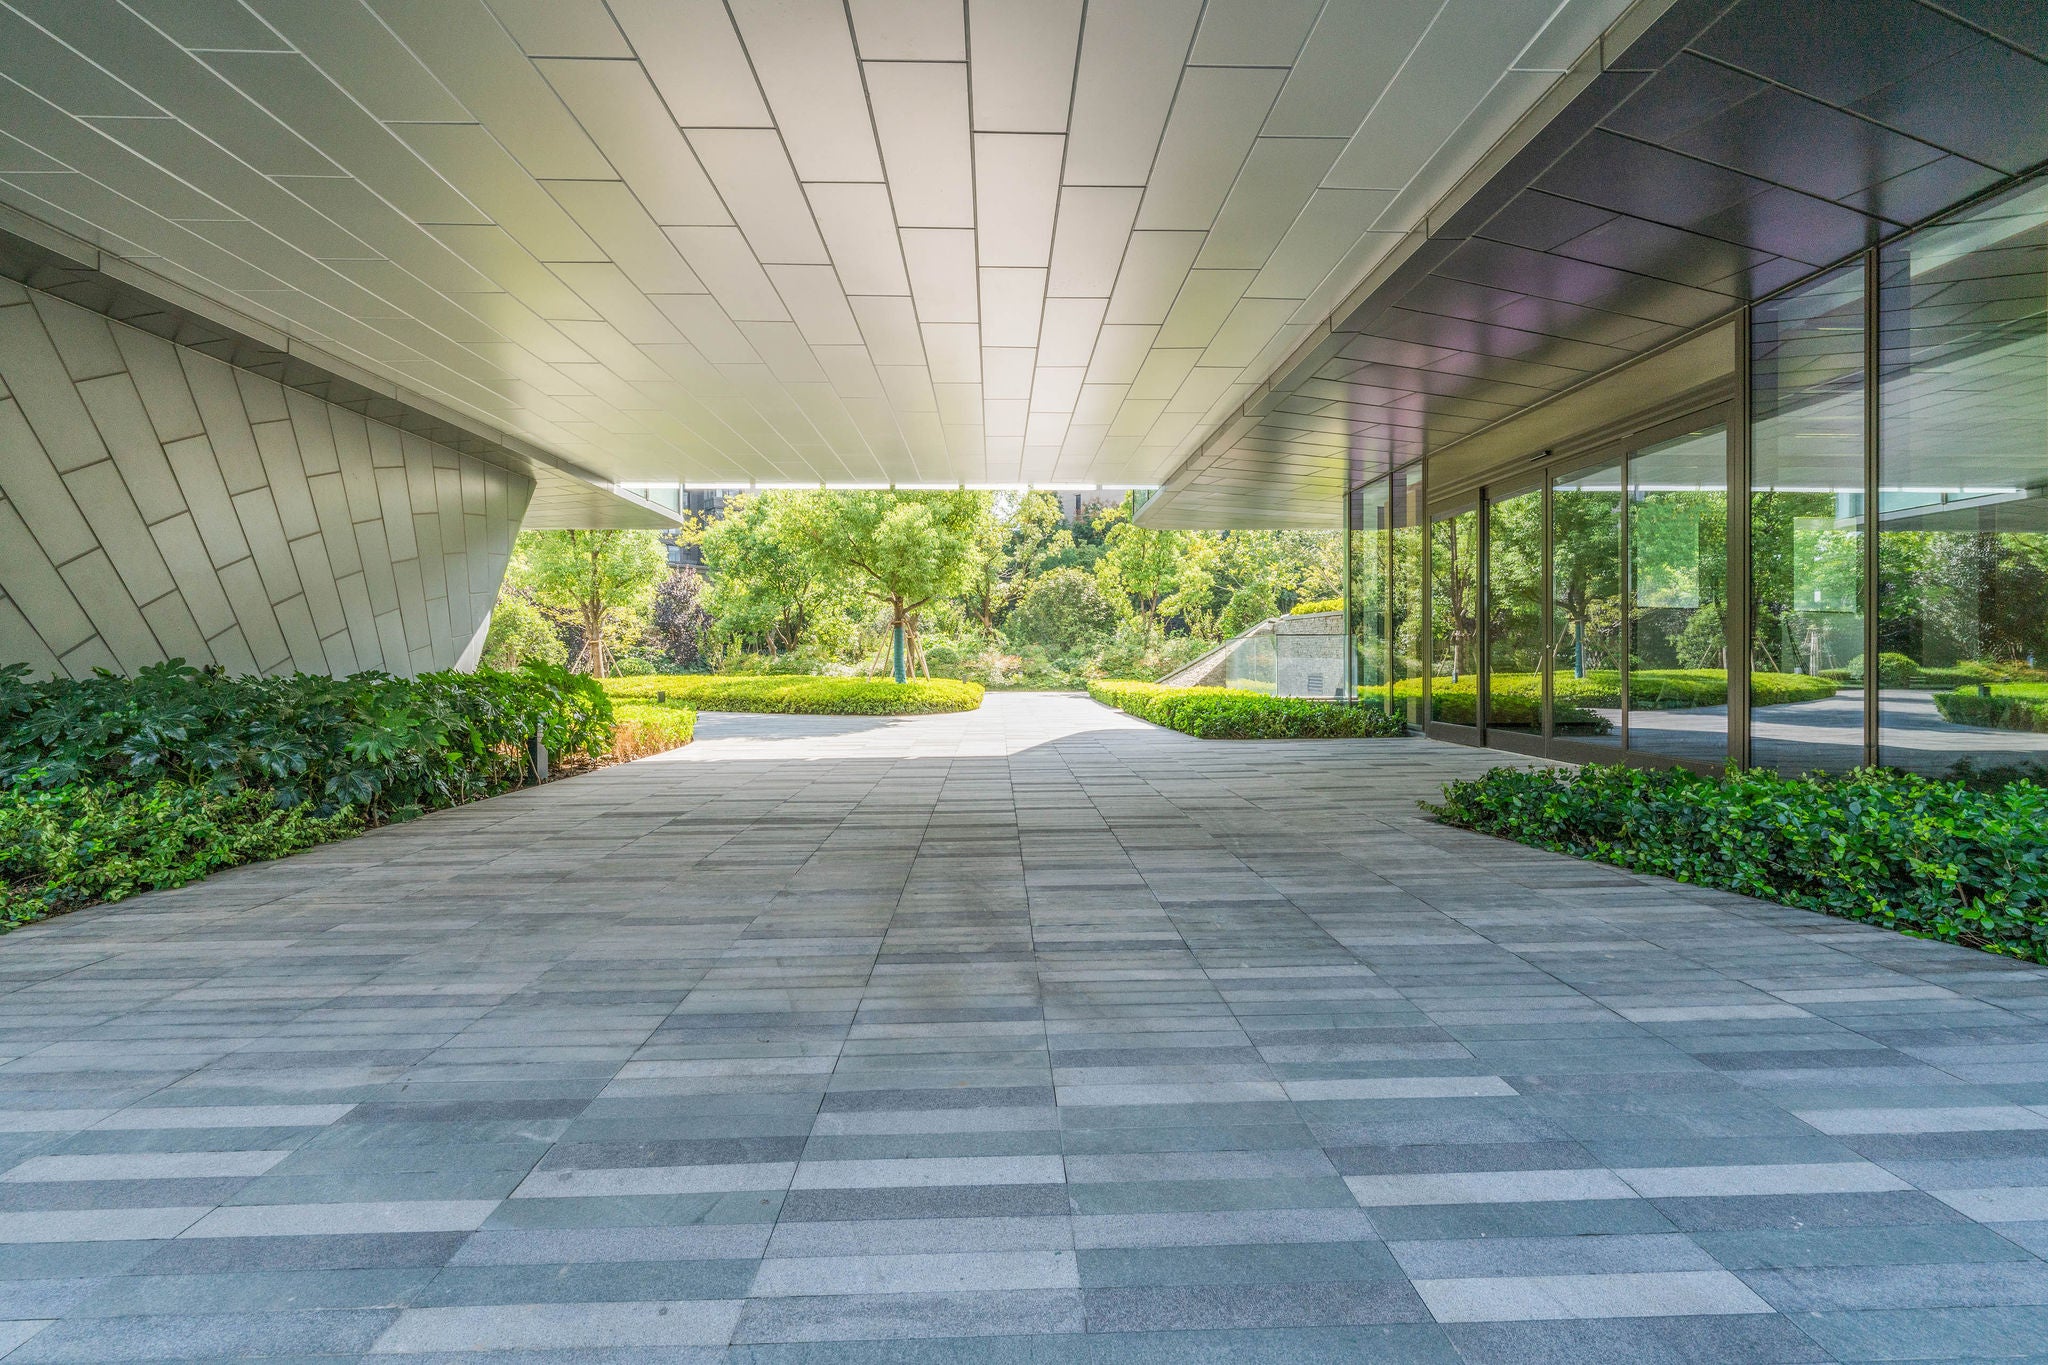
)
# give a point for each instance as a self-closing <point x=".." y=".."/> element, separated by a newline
<point x="1586" y="717"/>
<point x="1517" y="651"/>
<point x="1454" y="622"/>
<point x="1675" y="689"/>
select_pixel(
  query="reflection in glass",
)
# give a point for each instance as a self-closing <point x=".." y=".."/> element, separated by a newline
<point x="1677" y="681"/>
<point x="1963" y="490"/>
<point x="1514" y="612"/>
<point x="1367" y="519"/>
<point x="1585" y="605"/>
<point x="1454" y="618"/>
<point x="1806" y="527"/>
<point x="1404" y="593"/>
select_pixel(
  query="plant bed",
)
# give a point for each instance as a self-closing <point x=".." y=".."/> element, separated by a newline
<point x="111" y="785"/>
<point x="1517" y="697"/>
<point x="1939" y="859"/>
<point x="2011" y="706"/>
<point x="1234" y="713"/>
<point x="782" y="694"/>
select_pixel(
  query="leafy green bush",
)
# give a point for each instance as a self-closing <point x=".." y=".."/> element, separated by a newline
<point x="1233" y="713"/>
<point x="384" y="744"/>
<point x="1926" y="856"/>
<point x="803" y="696"/>
<point x="643" y="728"/>
<point x="111" y="785"/>
<point x="1321" y="604"/>
<point x="1517" y="697"/>
<point x="1062" y="611"/>
<point x="2011" y="706"/>
<point x="77" y="845"/>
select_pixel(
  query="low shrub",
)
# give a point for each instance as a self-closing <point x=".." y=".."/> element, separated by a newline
<point x="1936" y="858"/>
<point x="803" y="696"/>
<point x="643" y="728"/>
<point x="65" y="847"/>
<point x="2011" y="706"/>
<point x="110" y="786"/>
<point x="1517" y="697"/>
<point x="1321" y="604"/>
<point x="1233" y="713"/>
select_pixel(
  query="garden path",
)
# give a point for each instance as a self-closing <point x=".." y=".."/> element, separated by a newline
<point x="1032" y="1035"/>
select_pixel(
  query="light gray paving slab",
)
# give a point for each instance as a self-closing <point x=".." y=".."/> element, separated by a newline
<point x="1026" y="1036"/>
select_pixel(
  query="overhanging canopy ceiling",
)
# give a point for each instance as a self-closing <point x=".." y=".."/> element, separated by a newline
<point x="1731" y="149"/>
<point x="909" y="240"/>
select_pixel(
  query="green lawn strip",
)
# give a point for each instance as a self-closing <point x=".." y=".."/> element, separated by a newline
<point x="1233" y="713"/>
<point x="1935" y="858"/>
<point x="798" y="695"/>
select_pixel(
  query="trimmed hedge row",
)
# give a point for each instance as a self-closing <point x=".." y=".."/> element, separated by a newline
<point x="1933" y="858"/>
<point x="1233" y="713"/>
<point x="1517" y="697"/>
<point x="805" y="696"/>
<point x="643" y="728"/>
<point x="2011" y="706"/>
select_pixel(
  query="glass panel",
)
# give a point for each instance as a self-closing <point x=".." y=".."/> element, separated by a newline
<point x="1514" y="612"/>
<point x="1368" y="522"/>
<point x="1677" y="682"/>
<point x="1405" y="593"/>
<point x="1963" y="491"/>
<point x="1454" y="618"/>
<point x="1806" y="527"/>
<point x="1585" y="605"/>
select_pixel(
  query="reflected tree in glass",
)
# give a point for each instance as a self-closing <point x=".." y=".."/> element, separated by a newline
<point x="1454" y="617"/>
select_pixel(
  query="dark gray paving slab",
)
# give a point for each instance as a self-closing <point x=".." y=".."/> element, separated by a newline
<point x="1031" y="1037"/>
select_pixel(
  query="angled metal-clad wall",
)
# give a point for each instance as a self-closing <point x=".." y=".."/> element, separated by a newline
<point x="158" y="503"/>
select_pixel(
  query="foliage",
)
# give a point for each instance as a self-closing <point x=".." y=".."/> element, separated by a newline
<point x="679" y="626"/>
<point x="1062" y="611"/>
<point x="110" y="785"/>
<point x="1248" y="606"/>
<point x="383" y="744"/>
<point x="802" y="696"/>
<point x="64" y="847"/>
<point x="1315" y="605"/>
<point x="2011" y="706"/>
<point x="766" y="591"/>
<point x="1935" y="858"/>
<point x="903" y="550"/>
<point x="598" y="582"/>
<point x="519" y="633"/>
<point x="1516" y="697"/>
<point x="1030" y="540"/>
<point x="1233" y="713"/>
<point x="643" y="728"/>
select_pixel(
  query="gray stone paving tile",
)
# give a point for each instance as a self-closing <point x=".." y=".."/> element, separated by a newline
<point x="1034" y="1036"/>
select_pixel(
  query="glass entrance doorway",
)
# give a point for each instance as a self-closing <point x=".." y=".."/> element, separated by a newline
<point x="1581" y="613"/>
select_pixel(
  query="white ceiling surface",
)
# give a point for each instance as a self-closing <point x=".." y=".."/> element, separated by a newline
<point x="778" y="240"/>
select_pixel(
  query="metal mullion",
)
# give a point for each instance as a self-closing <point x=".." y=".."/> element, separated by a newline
<point x="1544" y="659"/>
<point x="1740" y="627"/>
<point x="1871" y="686"/>
<point x="1628" y="596"/>
<point x="1482" y="709"/>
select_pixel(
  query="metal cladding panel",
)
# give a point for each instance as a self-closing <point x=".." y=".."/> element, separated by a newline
<point x="1721" y="153"/>
<point x="121" y="546"/>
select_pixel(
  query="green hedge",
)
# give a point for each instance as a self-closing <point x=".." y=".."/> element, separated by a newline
<point x="785" y="695"/>
<point x="2011" y="706"/>
<point x="1517" y="696"/>
<point x="1930" y="857"/>
<point x="112" y="785"/>
<point x="1319" y="605"/>
<point x="643" y="728"/>
<point x="1232" y="713"/>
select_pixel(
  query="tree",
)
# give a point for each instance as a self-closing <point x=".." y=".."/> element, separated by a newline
<point x="1248" y="606"/>
<point x="520" y="632"/>
<point x="1064" y="611"/>
<point x="1139" y="564"/>
<point x="681" y="625"/>
<point x="1018" y="545"/>
<point x="598" y="582"/>
<point x="765" y="588"/>
<point x="903" y="550"/>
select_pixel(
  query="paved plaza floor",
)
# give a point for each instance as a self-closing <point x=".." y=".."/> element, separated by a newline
<point x="1035" y="1036"/>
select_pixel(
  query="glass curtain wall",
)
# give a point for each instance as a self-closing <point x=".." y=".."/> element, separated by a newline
<point x="1454" y="617"/>
<point x="1385" y="550"/>
<point x="1962" y="503"/>
<point x="1515" y="652"/>
<point x="1677" y="681"/>
<point x="1585" y="604"/>
<point x="1806" y="526"/>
